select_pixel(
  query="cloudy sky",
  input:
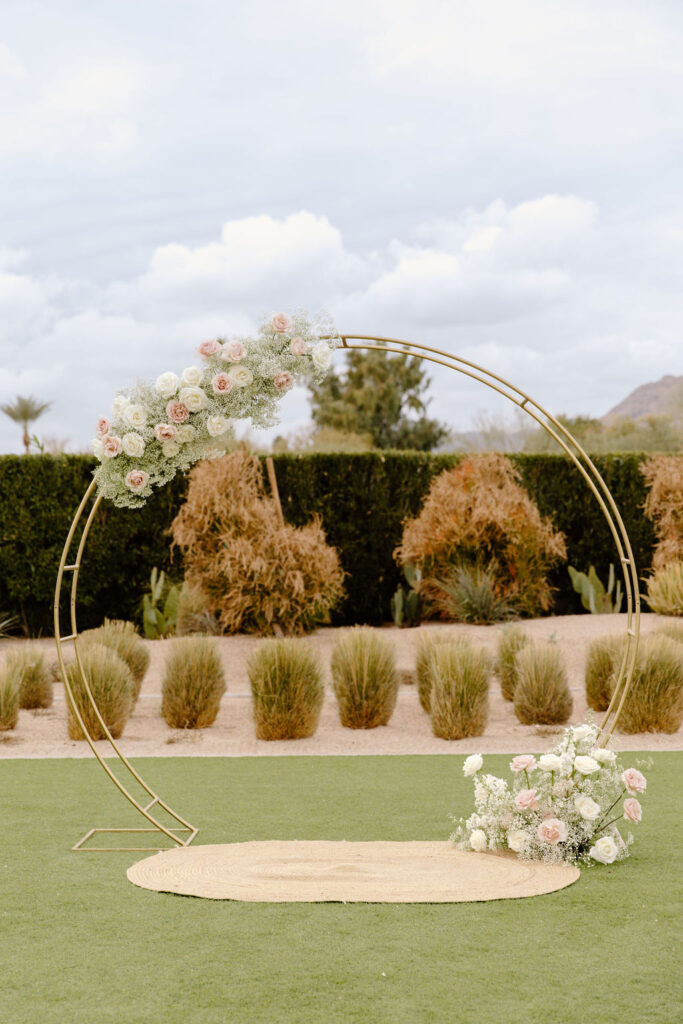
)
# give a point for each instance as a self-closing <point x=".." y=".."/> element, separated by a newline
<point x="501" y="178"/>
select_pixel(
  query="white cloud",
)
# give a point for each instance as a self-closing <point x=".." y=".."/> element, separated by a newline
<point x="10" y="65"/>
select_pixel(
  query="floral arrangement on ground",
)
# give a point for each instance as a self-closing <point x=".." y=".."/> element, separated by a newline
<point x="157" y="429"/>
<point x="561" y="807"/>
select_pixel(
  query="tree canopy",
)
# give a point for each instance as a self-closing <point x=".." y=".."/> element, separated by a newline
<point x="381" y="395"/>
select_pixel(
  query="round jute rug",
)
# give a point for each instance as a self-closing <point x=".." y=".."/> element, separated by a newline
<point x="322" y="872"/>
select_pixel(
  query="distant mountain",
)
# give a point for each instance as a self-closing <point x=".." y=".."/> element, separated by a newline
<point x="659" y="398"/>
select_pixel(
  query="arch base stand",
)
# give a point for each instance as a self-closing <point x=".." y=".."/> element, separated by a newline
<point x="81" y="847"/>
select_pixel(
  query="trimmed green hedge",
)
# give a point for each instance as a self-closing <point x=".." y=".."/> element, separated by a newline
<point x="362" y="499"/>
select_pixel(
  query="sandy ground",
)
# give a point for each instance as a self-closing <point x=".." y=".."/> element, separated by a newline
<point x="43" y="733"/>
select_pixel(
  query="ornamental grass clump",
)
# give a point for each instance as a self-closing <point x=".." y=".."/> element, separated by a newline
<point x="654" y="702"/>
<point x="470" y="594"/>
<point x="542" y="694"/>
<point x="9" y="699"/>
<point x="258" y="573"/>
<point x="674" y="630"/>
<point x="111" y="685"/>
<point x="426" y="643"/>
<point x="602" y="661"/>
<point x="479" y="514"/>
<point x="365" y="678"/>
<point x="510" y="643"/>
<point x="459" y="697"/>
<point x="122" y="638"/>
<point x="287" y="689"/>
<point x="193" y="684"/>
<point x="665" y="590"/>
<point x="33" y="677"/>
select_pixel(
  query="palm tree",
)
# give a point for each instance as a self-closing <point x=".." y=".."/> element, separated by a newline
<point x="25" y="411"/>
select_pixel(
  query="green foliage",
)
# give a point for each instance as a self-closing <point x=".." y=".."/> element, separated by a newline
<point x="603" y="659"/>
<point x="160" y="606"/>
<point x="468" y="594"/>
<point x="33" y="678"/>
<point x="123" y="638"/>
<point x="459" y="694"/>
<point x="654" y="702"/>
<point x="362" y="499"/>
<point x="406" y="605"/>
<point x="542" y="694"/>
<point x="365" y="678"/>
<point x="379" y="395"/>
<point x="7" y="624"/>
<point x="193" y="684"/>
<point x="665" y="590"/>
<point x="111" y="686"/>
<point x="25" y="411"/>
<point x="511" y="640"/>
<point x="594" y="597"/>
<point x="10" y="683"/>
<point x="287" y="687"/>
<point x="622" y="434"/>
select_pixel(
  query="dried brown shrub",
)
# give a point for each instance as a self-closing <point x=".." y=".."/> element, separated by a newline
<point x="479" y="514"/>
<point x="664" y="505"/>
<point x="259" y="575"/>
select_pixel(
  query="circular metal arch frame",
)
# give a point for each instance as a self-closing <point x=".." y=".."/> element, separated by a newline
<point x="185" y="833"/>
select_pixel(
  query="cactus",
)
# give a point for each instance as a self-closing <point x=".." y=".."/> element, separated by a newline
<point x="406" y="605"/>
<point x="594" y="597"/>
<point x="158" y="622"/>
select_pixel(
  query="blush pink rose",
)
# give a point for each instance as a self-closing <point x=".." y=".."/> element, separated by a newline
<point x="222" y="383"/>
<point x="136" y="479"/>
<point x="552" y="831"/>
<point x="283" y="380"/>
<point x="165" y="432"/>
<point x="102" y="426"/>
<point x="209" y="348"/>
<point x="632" y="810"/>
<point x="298" y="347"/>
<point x="111" y="446"/>
<point x="233" y="351"/>
<point x="523" y="763"/>
<point x="177" y="412"/>
<point x="527" y="800"/>
<point x="281" y="323"/>
<point x="634" y="780"/>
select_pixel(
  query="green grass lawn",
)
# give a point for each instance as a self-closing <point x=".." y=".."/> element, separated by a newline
<point x="81" y="945"/>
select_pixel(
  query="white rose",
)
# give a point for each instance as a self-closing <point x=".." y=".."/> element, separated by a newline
<point x="186" y="433"/>
<point x="549" y="763"/>
<point x="472" y="764"/>
<point x="193" y="398"/>
<point x="241" y="376"/>
<point x="217" y="425"/>
<point x="98" y="448"/>
<point x="167" y="384"/>
<point x="583" y="732"/>
<point x="192" y="376"/>
<point x="135" y="416"/>
<point x="133" y="445"/>
<point x="119" y="406"/>
<point x="322" y="355"/>
<point x="604" y="756"/>
<point x="478" y="840"/>
<point x="517" y="840"/>
<point x="587" y="807"/>
<point x="170" y="448"/>
<point x="605" y="850"/>
<point x="586" y="765"/>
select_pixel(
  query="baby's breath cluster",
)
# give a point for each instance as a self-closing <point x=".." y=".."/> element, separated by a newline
<point x="558" y="807"/>
<point x="156" y="429"/>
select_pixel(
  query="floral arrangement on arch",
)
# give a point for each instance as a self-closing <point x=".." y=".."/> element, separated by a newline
<point x="157" y="429"/>
<point x="561" y="807"/>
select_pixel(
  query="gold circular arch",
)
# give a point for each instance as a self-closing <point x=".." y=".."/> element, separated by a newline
<point x="181" y="833"/>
